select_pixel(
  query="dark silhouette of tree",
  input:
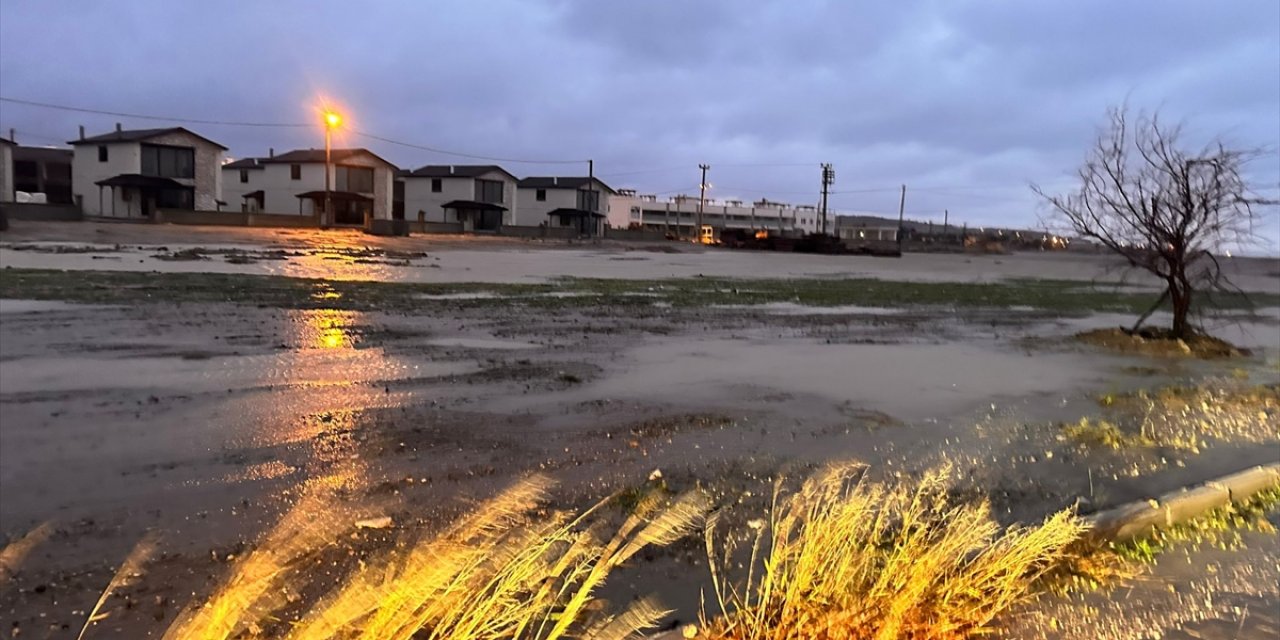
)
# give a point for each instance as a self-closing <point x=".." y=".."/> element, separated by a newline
<point x="1166" y="208"/>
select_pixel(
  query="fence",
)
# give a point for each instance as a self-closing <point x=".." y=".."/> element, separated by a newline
<point x="233" y="218"/>
<point x="32" y="211"/>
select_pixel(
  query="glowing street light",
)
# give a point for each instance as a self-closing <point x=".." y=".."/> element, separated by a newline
<point x="332" y="120"/>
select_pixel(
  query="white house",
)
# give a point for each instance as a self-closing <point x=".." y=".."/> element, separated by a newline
<point x="481" y="197"/>
<point x="130" y="173"/>
<point x="564" y="202"/>
<point x="678" y="215"/>
<point x="6" y="169"/>
<point x="294" y="183"/>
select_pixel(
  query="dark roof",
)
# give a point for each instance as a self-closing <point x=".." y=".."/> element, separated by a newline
<point x="244" y="163"/>
<point x="257" y="195"/>
<point x="301" y="156"/>
<point x="560" y="182"/>
<point x="577" y="213"/>
<point x="336" y="195"/>
<point x="454" y="171"/>
<point x="42" y="154"/>
<point x="8" y="141"/>
<point x="139" y="181"/>
<point x="139" y="135"/>
<point x="472" y="204"/>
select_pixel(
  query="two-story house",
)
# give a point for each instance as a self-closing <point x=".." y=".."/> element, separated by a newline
<point x="578" y="202"/>
<point x="480" y="197"/>
<point x="360" y="184"/>
<point x="133" y="172"/>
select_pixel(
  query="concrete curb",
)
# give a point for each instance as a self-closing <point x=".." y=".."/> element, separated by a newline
<point x="1130" y="520"/>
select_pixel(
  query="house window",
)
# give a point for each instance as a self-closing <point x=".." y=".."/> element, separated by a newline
<point x="102" y="153"/>
<point x="244" y="175"/>
<point x="436" y="186"/>
<point x="357" y="179"/>
<point x="489" y="191"/>
<point x="541" y="195"/>
<point x="168" y="162"/>
<point x="589" y="200"/>
<point x="175" y="199"/>
<point x="295" y="172"/>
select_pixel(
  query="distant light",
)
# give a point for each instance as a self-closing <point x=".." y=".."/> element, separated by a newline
<point x="332" y="119"/>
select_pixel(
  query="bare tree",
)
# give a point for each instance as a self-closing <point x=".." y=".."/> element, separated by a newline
<point x="1165" y="208"/>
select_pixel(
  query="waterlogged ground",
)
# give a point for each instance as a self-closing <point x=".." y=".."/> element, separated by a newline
<point x="191" y="404"/>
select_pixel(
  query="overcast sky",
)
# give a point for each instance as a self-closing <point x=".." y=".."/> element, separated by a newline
<point x="964" y="101"/>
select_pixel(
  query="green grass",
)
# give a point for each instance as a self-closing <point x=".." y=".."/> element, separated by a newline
<point x="119" y="287"/>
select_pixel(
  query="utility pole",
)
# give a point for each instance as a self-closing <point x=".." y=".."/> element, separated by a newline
<point x="702" y="200"/>
<point x="902" y="205"/>
<point x="828" y="177"/>
<point x="946" y="214"/>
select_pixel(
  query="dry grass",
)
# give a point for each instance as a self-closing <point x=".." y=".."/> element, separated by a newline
<point x="15" y="553"/>
<point x="847" y="558"/>
<point x="506" y="570"/>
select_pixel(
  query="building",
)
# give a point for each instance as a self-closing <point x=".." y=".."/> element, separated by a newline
<point x="130" y="173"/>
<point x="6" y="170"/>
<point x="581" y="202"/>
<point x="678" y="216"/>
<point x="360" y="184"/>
<point x="481" y="197"/>
<point x="855" y="229"/>
<point x="43" y="170"/>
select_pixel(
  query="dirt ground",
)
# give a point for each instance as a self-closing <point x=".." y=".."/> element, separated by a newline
<point x="195" y="419"/>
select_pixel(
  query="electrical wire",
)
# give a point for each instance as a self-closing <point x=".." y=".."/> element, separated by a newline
<point x="465" y="155"/>
<point x="139" y="116"/>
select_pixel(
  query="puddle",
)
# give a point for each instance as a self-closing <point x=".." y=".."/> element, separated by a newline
<point x="466" y="295"/>
<point x="481" y="343"/>
<point x="307" y="368"/>
<point x="793" y="309"/>
<point x="907" y="381"/>
<point x="10" y="305"/>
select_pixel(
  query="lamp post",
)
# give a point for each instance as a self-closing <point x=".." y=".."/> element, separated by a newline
<point x="331" y="122"/>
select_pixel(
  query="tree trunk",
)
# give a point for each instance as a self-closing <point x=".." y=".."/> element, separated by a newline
<point x="1180" y="298"/>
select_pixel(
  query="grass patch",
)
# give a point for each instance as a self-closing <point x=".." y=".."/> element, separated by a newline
<point x="1103" y="434"/>
<point x="1159" y="342"/>
<point x="122" y="287"/>
<point x="847" y="558"/>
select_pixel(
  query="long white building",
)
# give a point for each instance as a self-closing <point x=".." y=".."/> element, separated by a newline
<point x="678" y="215"/>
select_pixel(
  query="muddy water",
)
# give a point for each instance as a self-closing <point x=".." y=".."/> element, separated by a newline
<point x="539" y="264"/>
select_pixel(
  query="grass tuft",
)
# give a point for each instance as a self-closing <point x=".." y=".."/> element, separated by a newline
<point x="844" y="557"/>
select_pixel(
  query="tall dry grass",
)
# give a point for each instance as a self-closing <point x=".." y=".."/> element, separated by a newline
<point x="847" y="558"/>
<point x="506" y="570"/>
<point x="15" y="553"/>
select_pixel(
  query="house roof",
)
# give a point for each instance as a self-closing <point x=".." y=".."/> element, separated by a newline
<point x="454" y="171"/>
<point x="244" y="163"/>
<point x="8" y="141"/>
<point x="577" y="213"/>
<point x="257" y="195"/>
<point x="304" y="156"/>
<point x="336" y="195"/>
<point x="560" y="182"/>
<point x="473" y="205"/>
<point x="139" y="181"/>
<point x="42" y="154"/>
<point x="139" y="135"/>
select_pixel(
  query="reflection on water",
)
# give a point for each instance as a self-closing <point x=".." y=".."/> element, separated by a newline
<point x="325" y="328"/>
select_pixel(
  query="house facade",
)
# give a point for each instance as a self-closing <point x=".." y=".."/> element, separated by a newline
<point x="130" y="173"/>
<point x="6" y="170"/>
<point x="294" y="183"/>
<point x="678" y="215"/>
<point x="480" y="197"/>
<point x="556" y="201"/>
<point x="44" y="170"/>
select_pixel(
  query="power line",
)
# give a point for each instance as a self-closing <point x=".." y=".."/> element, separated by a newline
<point x="139" y="116"/>
<point x="465" y="155"/>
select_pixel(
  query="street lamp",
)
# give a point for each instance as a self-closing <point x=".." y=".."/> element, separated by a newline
<point x="331" y="121"/>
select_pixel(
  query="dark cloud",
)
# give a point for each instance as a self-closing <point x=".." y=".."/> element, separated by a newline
<point x="965" y="100"/>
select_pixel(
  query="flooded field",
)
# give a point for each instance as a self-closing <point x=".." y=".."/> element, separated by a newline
<point x="194" y="413"/>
